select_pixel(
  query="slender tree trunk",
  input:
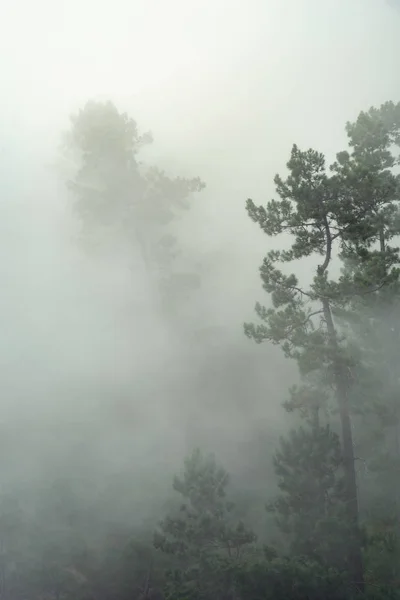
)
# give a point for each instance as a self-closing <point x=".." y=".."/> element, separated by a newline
<point x="382" y="247"/>
<point x="341" y="386"/>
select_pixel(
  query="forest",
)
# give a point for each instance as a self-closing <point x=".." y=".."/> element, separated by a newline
<point x="307" y="511"/>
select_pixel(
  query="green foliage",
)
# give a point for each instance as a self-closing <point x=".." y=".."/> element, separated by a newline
<point x="348" y="210"/>
<point x="203" y="535"/>
<point x="310" y="510"/>
<point x="204" y="523"/>
<point x="382" y="552"/>
<point x="295" y="578"/>
<point x="349" y="214"/>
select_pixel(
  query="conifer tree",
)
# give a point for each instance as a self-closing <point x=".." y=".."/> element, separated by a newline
<point x="203" y="535"/>
<point x="332" y="215"/>
<point x="309" y="509"/>
<point x="124" y="205"/>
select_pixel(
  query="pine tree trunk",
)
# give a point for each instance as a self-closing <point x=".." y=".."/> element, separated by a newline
<point x="396" y="491"/>
<point x="341" y="388"/>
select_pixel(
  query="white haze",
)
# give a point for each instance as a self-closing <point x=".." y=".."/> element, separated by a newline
<point x="226" y="88"/>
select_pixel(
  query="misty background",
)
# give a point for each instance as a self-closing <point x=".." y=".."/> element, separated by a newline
<point x="93" y="380"/>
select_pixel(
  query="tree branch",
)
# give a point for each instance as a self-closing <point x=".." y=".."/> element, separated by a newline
<point x="304" y="322"/>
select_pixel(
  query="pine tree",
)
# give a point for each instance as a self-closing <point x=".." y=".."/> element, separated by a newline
<point x="372" y="322"/>
<point x="203" y="535"/>
<point x="336" y="215"/>
<point x="309" y="511"/>
<point x="123" y="204"/>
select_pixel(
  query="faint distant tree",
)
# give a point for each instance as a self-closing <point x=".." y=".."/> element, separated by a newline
<point x="123" y="203"/>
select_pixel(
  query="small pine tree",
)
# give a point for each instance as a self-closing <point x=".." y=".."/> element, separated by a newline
<point x="203" y="535"/>
<point x="310" y="509"/>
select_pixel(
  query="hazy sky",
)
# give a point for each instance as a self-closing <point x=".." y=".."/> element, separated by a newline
<point x="225" y="87"/>
<point x="297" y="59"/>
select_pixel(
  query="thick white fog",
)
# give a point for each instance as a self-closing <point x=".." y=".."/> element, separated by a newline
<point x="225" y="88"/>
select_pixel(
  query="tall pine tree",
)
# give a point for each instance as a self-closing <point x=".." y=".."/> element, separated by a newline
<point x="338" y="213"/>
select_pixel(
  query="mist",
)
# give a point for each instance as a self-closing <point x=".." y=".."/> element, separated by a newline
<point x="95" y="383"/>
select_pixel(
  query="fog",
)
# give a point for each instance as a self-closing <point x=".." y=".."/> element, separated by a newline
<point x="91" y="376"/>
